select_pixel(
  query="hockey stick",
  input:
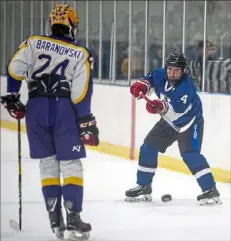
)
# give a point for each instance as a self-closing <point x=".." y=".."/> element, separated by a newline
<point x="20" y="174"/>
<point x="17" y="226"/>
<point x="13" y="224"/>
<point x="142" y="95"/>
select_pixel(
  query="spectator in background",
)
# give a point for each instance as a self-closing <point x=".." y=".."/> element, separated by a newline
<point x="155" y="56"/>
<point x="94" y="47"/>
<point x="211" y="51"/>
<point x="196" y="64"/>
<point x="121" y="57"/>
<point x="137" y="57"/>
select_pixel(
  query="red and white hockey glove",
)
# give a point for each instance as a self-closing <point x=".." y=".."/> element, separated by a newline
<point x="157" y="106"/>
<point x="89" y="133"/>
<point x="142" y="86"/>
<point x="13" y="105"/>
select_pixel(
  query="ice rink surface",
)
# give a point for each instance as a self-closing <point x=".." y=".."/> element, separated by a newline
<point x="106" y="179"/>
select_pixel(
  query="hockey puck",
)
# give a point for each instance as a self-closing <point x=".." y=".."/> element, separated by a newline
<point x="166" y="198"/>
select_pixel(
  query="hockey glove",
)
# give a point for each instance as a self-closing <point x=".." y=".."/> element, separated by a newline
<point x="157" y="106"/>
<point x="89" y="133"/>
<point x="14" y="106"/>
<point x="141" y="85"/>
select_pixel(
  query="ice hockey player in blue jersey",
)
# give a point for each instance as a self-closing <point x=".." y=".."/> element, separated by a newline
<point x="181" y="113"/>
<point x="58" y="115"/>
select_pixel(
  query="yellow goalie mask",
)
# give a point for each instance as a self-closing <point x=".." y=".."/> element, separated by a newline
<point x="64" y="15"/>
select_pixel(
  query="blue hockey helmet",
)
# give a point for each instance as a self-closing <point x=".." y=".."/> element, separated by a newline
<point x="176" y="60"/>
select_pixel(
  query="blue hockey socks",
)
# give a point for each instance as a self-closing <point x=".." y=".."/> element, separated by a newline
<point x="147" y="164"/>
<point x="200" y="168"/>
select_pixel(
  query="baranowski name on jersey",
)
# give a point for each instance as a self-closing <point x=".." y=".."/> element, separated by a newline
<point x="56" y="48"/>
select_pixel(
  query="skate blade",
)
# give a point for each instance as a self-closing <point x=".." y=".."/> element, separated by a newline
<point x="58" y="233"/>
<point x="75" y="235"/>
<point x="210" y="201"/>
<point x="143" y="198"/>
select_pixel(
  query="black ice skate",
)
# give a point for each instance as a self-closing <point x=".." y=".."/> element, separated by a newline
<point x="139" y="193"/>
<point x="78" y="230"/>
<point x="57" y="224"/>
<point x="209" y="197"/>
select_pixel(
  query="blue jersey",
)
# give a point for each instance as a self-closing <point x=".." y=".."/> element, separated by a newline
<point x="184" y="104"/>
